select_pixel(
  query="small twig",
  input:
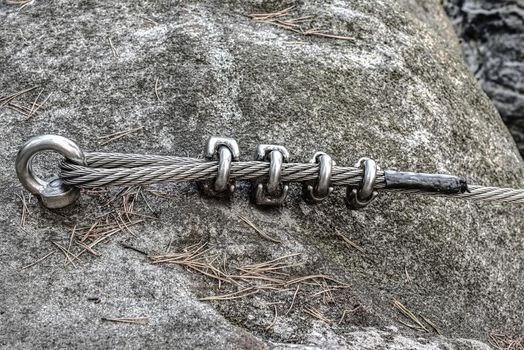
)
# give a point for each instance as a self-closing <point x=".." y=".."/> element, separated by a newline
<point x="115" y="53"/>
<point x="150" y="20"/>
<point x="314" y="277"/>
<point x="265" y="16"/>
<point x="327" y="35"/>
<point x="230" y="296"/>
<point x="300" y="19"/>
<point x="131" y="320"/>
<point x="17" y="2"/>
<point x="257" y="230"/>
<point x="317" y="314"/>
<point x="350" y="242"/>
<point x="38" y="261"/>
<point x="90" y="246"/>
<point x="117" y="135"/>
<point x="34" y="103"/>
<point x="293" y="301"/>
<point x="408" y="277"/>
<point x="292" y="24"/>
<point x="156" y="90"/>
<point x="409" y="314"/>
<point x="31" y="113"/>
<point x="505" y="342"/>
<point x="17" y="108"/>
<point x="22" y="35"/>
<point x="346" y="311"/>
<point x="272" y="324"/>
<point x="73" y="231"/>
<point x="428" y="321"/>
<point x="147" y="202"/>
<point x="70" y="256"/>
<point x="127" y="246"/>
<point x="87" y="248"/>
<point x="28" y="2"/>
<point x="25" y="210"/>
<point x="6" y="99"/>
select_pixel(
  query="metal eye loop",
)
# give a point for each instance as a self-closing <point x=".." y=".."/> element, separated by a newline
<point x="52" y="193"/>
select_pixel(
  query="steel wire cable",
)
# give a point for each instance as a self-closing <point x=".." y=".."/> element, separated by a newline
<point x="119" y="169"/>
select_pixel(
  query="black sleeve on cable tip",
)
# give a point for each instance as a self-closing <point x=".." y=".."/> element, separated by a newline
<point x="446" y="184"/>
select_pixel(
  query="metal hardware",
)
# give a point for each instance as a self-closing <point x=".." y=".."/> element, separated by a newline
<point x="53" y="193"/>
<point x="317" y="192"/>
<point x="96" y="169"/>
<point x="226" y="149"/>
<point x="357" y="198"/>
<point x="273" y="193"/>
<point x="439" y="183"/>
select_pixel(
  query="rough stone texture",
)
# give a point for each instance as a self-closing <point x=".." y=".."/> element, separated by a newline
<point x="492" y="35"/>
<point x="398" y="92"/>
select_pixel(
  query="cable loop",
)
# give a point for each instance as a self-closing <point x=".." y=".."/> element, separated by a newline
<point x="357" y="198"/>
<point x="273" y="193"/>
<point x="315" y="192"/>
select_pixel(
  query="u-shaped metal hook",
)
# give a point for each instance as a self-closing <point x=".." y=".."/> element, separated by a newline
<point x="357" y="198"/>
<point x="316" y="192"/>
<point x="273" y="193"/>
<point x="227" y="151"/>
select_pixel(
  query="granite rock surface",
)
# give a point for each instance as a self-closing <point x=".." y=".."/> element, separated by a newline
<point x="397" y="90"/>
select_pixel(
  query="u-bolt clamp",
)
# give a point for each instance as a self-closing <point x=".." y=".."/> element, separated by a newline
<point x="227" y="151"/>
<point x="357" y="198"/>
<point x="52" y="193"/>
<point x="273" y="193"/>
<point x="315" y="192"/>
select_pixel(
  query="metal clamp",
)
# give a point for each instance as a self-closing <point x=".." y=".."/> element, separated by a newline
<point x="227" y="151"/>
<point x="317" y="192"/>
<point x="358" y="198"/>
<point x="52" y="193"/>
<point x="273" y="193"/>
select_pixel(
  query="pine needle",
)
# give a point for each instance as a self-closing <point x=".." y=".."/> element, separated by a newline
<point x="257" y="230"/>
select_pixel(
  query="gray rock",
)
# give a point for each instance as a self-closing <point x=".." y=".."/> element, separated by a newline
<point x="398" y="92"/>
<point x="492" y="34"/>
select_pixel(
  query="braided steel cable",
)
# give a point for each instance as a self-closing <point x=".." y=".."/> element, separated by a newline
<point x="198" y="170"/>
<point x="218" y="172"/>
<point x="130" y="160"/>
<point x="493" y="194"/>
<point x="118" y="169"/>
<point x="476" y="193"/>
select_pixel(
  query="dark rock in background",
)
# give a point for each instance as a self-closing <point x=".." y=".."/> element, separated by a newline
<point x="492" y="35"/>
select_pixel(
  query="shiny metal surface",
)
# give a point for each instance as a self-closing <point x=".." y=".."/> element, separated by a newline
<point x="226" y="150"/>
<point x="317" y="192"/>
<point x="263" y="150"/>
<point x="214" y="142"/>
<point x="261" y="198"/>
<point x="275" y="171"/>
<point x="224" y="169"/>
<point x="274" y="192"/>
<point x="53" y="193"/>
<point x="357" y="198"/>
<point x="94" y="170"/>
